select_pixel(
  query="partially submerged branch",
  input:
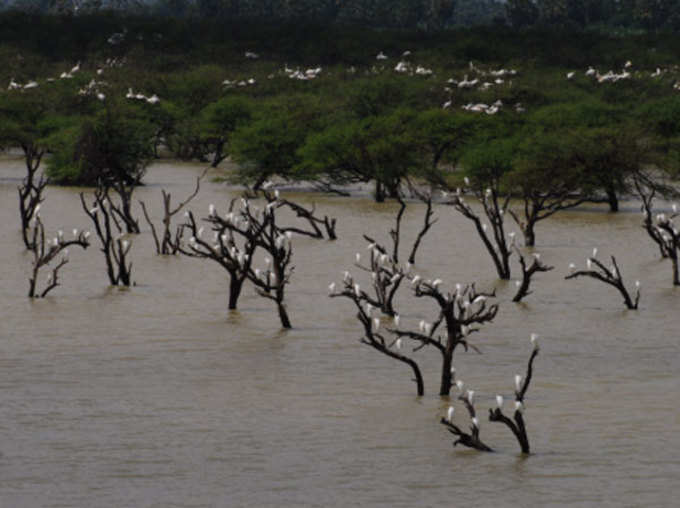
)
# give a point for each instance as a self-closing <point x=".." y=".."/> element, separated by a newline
<point x="609" y="275"/>
<point x="45" y="251"/>
<point x="516" y="424"/>
<point x="527" y="272"/>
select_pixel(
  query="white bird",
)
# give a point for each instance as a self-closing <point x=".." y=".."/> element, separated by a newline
<point x="211" y="210"/>
<point x="518" y="382"/>
<point x="466" y="180"/>
<point x="479" y="299"/>
<point x="369" y="308"/>
<point x="637" y="284"/>
<point x="534" y="340"/>
<point x="416" y="280"/>
<point x="76" y="68"/>
<point x="589" y="264"/>
<point x="75" y="233"/>
<point x="499" y="401"/>
<point x="101" y="96"/>
<point x="459" y="385"/>
<point x="398" y="344"/>
<point x="471" y="396"/>
<point x="357" y="290"/>
<point x="396" y="320"/>
<point x="331" y="287"/>
<point x="449" y="413"/>
<point x="475" y="422"/>
<point x="518" y="406"/>
<point x="381" y="56"/>
<point x="277" y="194"/>
<point x="421" y="325"/>
<point x="572" y="267"/>
<point x="570" y="75"/>
<point x="358" y="257"/>
<point x="376" y="324"/>
<point x="595" y="252"/>
<point x="436" y="283"/>
<point x="428" y="328"/>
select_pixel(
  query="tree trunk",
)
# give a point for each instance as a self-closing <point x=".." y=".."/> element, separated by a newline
<point x="283" y="315"/>
<point x="529" y="235"/>
<point x="234" y="291"/>
<point x="379" y="192"/>
<point x="445" y="387"/>
<point x="612" y="199"/>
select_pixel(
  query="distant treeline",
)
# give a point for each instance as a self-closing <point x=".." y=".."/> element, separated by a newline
<point x="428" y="15"/>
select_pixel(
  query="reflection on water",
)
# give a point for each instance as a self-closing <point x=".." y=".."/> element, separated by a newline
<point x="156" y="396"/>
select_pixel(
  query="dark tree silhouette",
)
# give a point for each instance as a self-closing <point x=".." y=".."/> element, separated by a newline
<point x="609" y="275"/>
<point x="114" y="244"/>
<point x="527" y="272"/>
<point x="45" y="251"/>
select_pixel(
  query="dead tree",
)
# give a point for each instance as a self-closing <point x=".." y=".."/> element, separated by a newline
<point x="251" y="228"/>
<point x="494" y="206"/>
<point x="527" y="272"/>
<point x="169" y="244"/>
<point x="471" y="439"/>
<point x="387" y="273"/>
<point x="307" y="214"/>
<point x="517" y="425"/>
<point x="232" y="246"/>
<point x="460" y="314"/>
<point x="30" y="197"/>
<point x="45" y="251"/>
<point x="670" y="236"/>
<point x="114" y="243"/>
<point x="372" y="336"/>
<point x="609" y="275"/>
<point x="646" y="194"/>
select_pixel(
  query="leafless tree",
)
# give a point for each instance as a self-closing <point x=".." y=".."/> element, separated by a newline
<point x="497" y="243"/>
<point x="235" y="239"/>
<point x="372" y="325"/>
<point x="516" y="424"/>
<point x="670" y="236"/>
<point x="301" y="212"/>
<point x="647" y="193"/>
<point x="114" y="243"/>
<point x="30" y="196"/>
<point x="527" y="272"/>
<point x="169" y="244"/>
<point x="609" y="275"/>
<point x="460" y="315"/>
<point x="386" y="272"/>
<point x="45" y="251"/>
<point x="470" y="439"/>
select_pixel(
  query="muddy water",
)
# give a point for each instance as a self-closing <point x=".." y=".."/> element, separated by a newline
<point x="157" y="396"/>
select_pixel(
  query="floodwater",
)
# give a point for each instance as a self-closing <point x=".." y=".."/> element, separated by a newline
<point x="157" y="396"/>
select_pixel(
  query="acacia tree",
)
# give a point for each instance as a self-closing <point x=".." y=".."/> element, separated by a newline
<point x="548" y="177"/>
<point x="111" y="150"/>
<point x="670" y="236"/>
<point x="219" y="121"/>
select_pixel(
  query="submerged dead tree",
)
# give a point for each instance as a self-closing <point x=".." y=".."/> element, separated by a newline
<point x="303" y="213"/>
<point x="497" y="243"/>
<point x="516" y="424"/>
<point x="460" y="315"/>
<point x="115" y="245"/>
<point x="646" y="193"/>
<point x="30" y="197"/>
<point x="386" y="271"/>
<point x="372" y="326"/>
<point x="670" y="236"/>
<point x="45" y="251"/>
<point x="527" y="272"/>
<point x="169" y="244"/>
<point x="231" y="246"/>
<point x="609" y="275"/>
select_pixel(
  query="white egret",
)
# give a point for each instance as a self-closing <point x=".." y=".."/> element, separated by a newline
<point x="331" y="287"/>
<point x="449" y="413"/>
<point x="572" y="267"/>
<point x="637" y="284"/>
<point x="416" y="280"/>
<point x="460" y="385"/>
<point x="518" y="382"/>
<point x="428" y="328"/>
<point x="534" y="340"/>
<point x="475" y="422"/>
<point x="358" y="257"/>
<point x="471" y="396"/>
<point x="357" y="290"/>
<point x="200" y="231"/>
<point x="421" y="325"/>
<point x="369" y="308"/>
<point x="211" y="210"/>
<point x="436" y="283"/>
<point x="589" y="264"/>
<point x="376" y="324"/>
<point x="499" y="401"/>
<point x="518" y="406"/>
<point x="594" y="252"/>
<point x="397" y="319"/>
<point x="570" y="74"/>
